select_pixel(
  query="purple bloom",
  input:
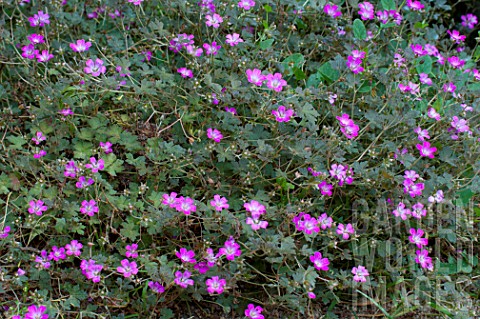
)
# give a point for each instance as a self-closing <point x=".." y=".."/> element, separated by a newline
<point x="246" y="4"/>
<point x="275" y="82"/>
<point x="211" y="49"/>
<point x="186" y="256"/>
<point x="131" y="251"/>
<point x="40" y="154"/>
<point x="345" y="231"/>
<point x="80" y="46"/>
<point x="106" y="147"/>
<point x="183" y="279"/>
<point x="325" y="188"/>
<point x="38" y="138"/>
<point x="29" y="51"/>
<point x="416" y="237"/>
<point x="423" y="259"/>
<point x="230" y="249"/>
<point x="332" y="10"/>
<point x="185" y="73"/>
<point x="282" y="114"/>
<point x="57" y="253"/>
<point x="469" y="20"/>
<point x="319" y="262"/>
<point x="43" y="261"/>
<point x="39" y="19"/>
<point x="36" y="38"/>
<point x="325" y="221"/>
<point x="128" y="268"/>
<point x="213" y="20"/>
<point x="215" y="285"/>
<point x="89" y="207"/>
<point x="70" y="169"/>
<point x="5" y="231"/>
<point x="255" y="76"/>
<point x="233" y="39"/>
<point x="219" y="203"/>
<point x="360" y="274"/>
<point x="156" y="286"/>
<point x="401" y="211"/>
<point x="426" y="150"/>
<point x="74" y="248"/>
<point x="37" y="207"/>
<point x="185" y="205"/>
<point x="95" y="165"/>
<point x="44" y="56"/>
<point x="367" y="11"/>
<point x="170" y="200"/>
<point x="35" y="312"/>
<point x="91" y="270"/>
<point x="214" y="135"/>
<point x="95" y="68"/>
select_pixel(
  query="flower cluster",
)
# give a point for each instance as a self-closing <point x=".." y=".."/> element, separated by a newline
<point x="91" y="269"/>
<point x="355" y="61"/>
<point x="182" y="204"/>
<point x="274" y="81"/>
<point x="347" y="126"/>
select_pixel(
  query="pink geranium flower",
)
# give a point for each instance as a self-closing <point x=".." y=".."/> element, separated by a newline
<point x="233" y="39"/>
<point x="39" y="19"/>
<point x="214" y="135"/>
<point x="36" y="312"/>
<point x="215" y="285"/>
<point x="183" y="279"/>
<point x="29" y="51"/>
<point x="345" y="231"/>
<point x="36" y="38"/>
<point x="416" y="237"/>
<point x="219" y="203"/>
<point x="37" y="207"/>
<point x="246" y="4"/>
<point x="186" y="256"/>
<point x="255" y="76"/>
<point x="275" y="82"/>
<point x="44" y="56"/>
<point x="185" y="73"/>
<point x="128" y="268"/>
<point x="360" y="274"/>
<point x="74" y="248"/>
<point x="131" y="251"/>
<point x="89" y="207"/>
<point x="282" y="114"/>
<point x="80" y="46"/>
<point x="95" y="68"/>
<point x="230" y="249"/>
<point x="211" y="49"/>
<point x="332" y="10"/>
<point x="319" y="262"/>
<point x="213" y="20"/>
<point x="426" y="150"/>
<point x="254" y="312"/>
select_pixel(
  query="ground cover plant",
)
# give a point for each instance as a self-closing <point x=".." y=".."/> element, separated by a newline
<point x="238" y="159"/>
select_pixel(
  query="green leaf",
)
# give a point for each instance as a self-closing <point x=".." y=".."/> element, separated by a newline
<point x="266" y="44"/>
<point x="359" y="30"/>
<point x="130" y="230"/>
<point x="113" y="165"/>
<point x="328" y="73"/>
<point x="424" y="64"/>
<point x="17" y="142"/>
<point x="267" y="8"/>
<point x="388" y="4"/>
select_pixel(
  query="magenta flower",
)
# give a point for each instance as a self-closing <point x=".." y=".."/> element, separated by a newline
<point x="95" y="68"/>
<point x="255" y="76"/>
<point x="131" y="251"/>
<point x="38" y="138"/>
<point x="282" y="114"/>
<point x="230" y="249"/>
<point x="345" y="231"/>
<point x="70" y="169"/>
<point x="355" y="64"/>
<point x="233" y="39"/>
<point x="40" y="154"/>
<point x="215" y="285"/>
<point x="418" y="211"/>
<point x="246" y="4"/>
<point x="325" y="188"/>
<point x="424" y="79"/>
<point x="415" y="5"/>
<point x="413" y="189"/>
<point x="416" y="237"/>
<point x="183" y="279"/>
<point x="449" y="87"/>
<point x="422" y="134"/>
<point x="136" y="2"/>
<point x="456" y="62"/>
<point x="213" y="20"/>
<point x="423" y="259"/>
<point x="20" y="272"/>
<point x="186" y="256"/>
<point x="194" y="51"/>
<point x="74" y="248"/>
<point x="83" y="182"/>
<point x="456" y="36"/>
<point x="35" y="312"/>
<point x="417" y="49"/>
<point x="128" y="268"/>
<point x="170" y="200"/>
<point x="319" y="262"/>
<point x="80" y="46"/>
<point x="469" y="21"/>
<point x="210" y="257"/>
<point x="437" y="198"/>
<point x="35" y="38"/>
<point x="255" y="222"/>
<point x="325" y="221"/>
<point x="37" y="207"/>
<point x="367" y="11"/>
<point x="156" y="287"/>
<point x="91" y="269"/>
<point x="44" y="56"/>
<point x="255" y="207"/>
<point x="219" y="203"/>
<point x="360" y="274"/>
<point x="185" y="73"/>
<point x="4" y="232"/>
<point x="66" y="112"/>
<point x="202" y="267"/>
<point x="211" y="49"/>
<point x="57" y="253"/>
<point x="185" y="205"/>
<point x="332" y="10"/>
<point x="89" y="207"/>
<point x="39" y="19"/>
<point x="401" y="211"/>
<point x="254" y="312"/>
<point x="29" y="51"/>
<point x="43" y="260"/>
<point x="275" y="82"/>
<point x="106" y="147"/>
<point x="433" y="114"/>
<point x="95" y="165"/>
<point x="181" y="41"/>
<point x="426" y="150"/>
<point x="214" y="135"/>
